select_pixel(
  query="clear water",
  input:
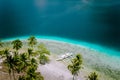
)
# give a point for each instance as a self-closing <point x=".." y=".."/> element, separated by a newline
<point x="82" y="21"/>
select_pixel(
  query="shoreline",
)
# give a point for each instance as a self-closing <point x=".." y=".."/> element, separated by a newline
<point x="92" y="60"/>
<point x="95" y="47"/>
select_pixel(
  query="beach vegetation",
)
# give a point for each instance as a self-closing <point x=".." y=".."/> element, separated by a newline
<point x="22" y="65"/>
<point x="93" y="76"/>
<point x="43" y="54"/>
<point x="32" y="41"/>
<point x="17" y="44"/>
<point x="75" y="66"/>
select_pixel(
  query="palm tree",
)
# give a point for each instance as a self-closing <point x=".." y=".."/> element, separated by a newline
<point x="17" y="64"/>
<point x="32" y="41"/>
<point x="9" y="62"/>
<point x="30" y="73"/>
<point x="43" y="59"/>
<point x="24" y="58"/>
<point x="43" y="54"/>
<point x="43" y="49"/>
<point x="33" y="75"/>
<point x="23" y="63"/>
<point x="75" y="65"/>
<point x="93" y="76"/>
<point x="17" y="44"/>
<point x="30" y="52"/>
<point x="19" y="61"/>
<point x="34" y="63"/>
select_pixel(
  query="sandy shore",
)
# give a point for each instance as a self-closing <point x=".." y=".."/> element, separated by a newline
<point x="92" y="61"/>
<point x="108" y="67"/>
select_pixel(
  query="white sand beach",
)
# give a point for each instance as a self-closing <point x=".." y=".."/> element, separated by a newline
<point x="57" y="70"/>
<point x="105" y="65"/>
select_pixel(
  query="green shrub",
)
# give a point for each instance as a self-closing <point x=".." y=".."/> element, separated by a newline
<point x="93" y="76"/>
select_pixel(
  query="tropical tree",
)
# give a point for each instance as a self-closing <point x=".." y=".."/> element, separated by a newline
<point x="33" y="75"/>
<point x="23" y="66"/>
<point x="30" y="52"/>
<point x="23" y="63"/>
<point x="30" y="73"/>
<point x="32" y="41"/>
<point x="43" y="54"/>
<point x="93" y="76"/>
<point x="17" y="44"/>
<point x="34" y="63"/>
<point x="9" y="63"/>
<point x="17" y="63"/>
<point x="7" y="59"/>
<point x="14" y="64"/>
<point x="43" y="59"/>
<point x="75" y="65"/>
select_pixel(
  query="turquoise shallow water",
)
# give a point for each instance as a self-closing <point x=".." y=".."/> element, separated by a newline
<point x="95" y="47"/>
<point x="94" y="21"/>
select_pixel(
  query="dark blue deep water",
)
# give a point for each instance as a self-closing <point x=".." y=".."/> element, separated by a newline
<point x="94" y="21"/>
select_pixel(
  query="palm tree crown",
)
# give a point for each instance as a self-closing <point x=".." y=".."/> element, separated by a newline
<point x="32" y="41"/>
<point x="17" y="44"/>
<point x="93" y="76"/>
<point x="75" y="65"/>
<point x="43" y="54"/>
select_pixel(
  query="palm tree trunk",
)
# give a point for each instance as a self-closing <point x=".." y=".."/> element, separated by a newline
<point x="10" y="76"/>
<point x="73" y="77"/>
<point x="14" y="75"/>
